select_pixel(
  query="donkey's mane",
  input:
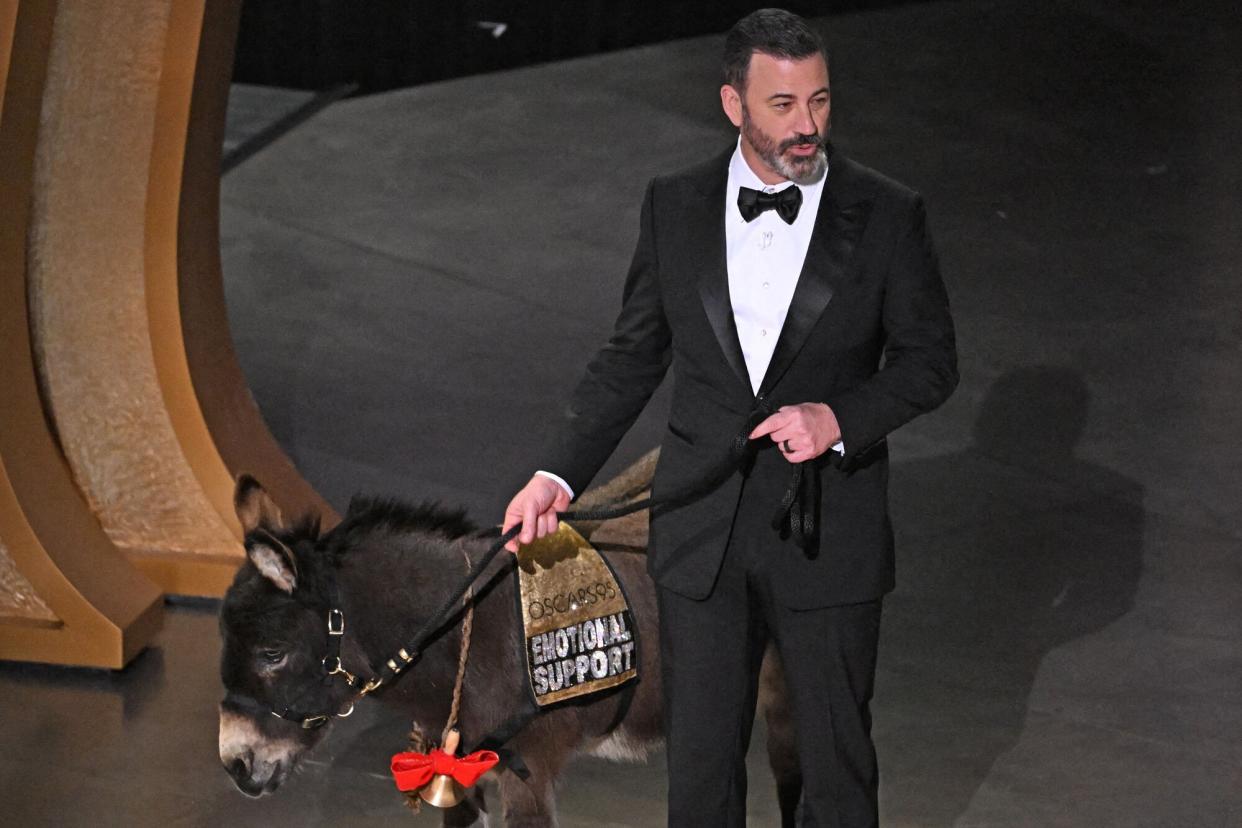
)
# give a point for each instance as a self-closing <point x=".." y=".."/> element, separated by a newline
<point x="369" y="514"/>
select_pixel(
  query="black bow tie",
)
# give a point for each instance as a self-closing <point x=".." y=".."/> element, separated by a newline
<point x="753" y="202"/>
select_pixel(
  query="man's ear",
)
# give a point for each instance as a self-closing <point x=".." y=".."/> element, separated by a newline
<point x="731" y="102"/>
<point x="254" y="508"/>
<point x="273" y="559"/>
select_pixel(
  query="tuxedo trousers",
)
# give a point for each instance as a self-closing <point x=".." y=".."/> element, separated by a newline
<point x="711" y="652"/>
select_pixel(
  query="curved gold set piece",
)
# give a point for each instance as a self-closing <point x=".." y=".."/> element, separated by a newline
<point x="124" y="416"/>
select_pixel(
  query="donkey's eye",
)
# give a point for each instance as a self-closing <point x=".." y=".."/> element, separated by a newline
<point x="272" y="656"/>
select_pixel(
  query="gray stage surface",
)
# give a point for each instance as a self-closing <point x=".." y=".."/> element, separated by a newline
<point x="415" y="280"/>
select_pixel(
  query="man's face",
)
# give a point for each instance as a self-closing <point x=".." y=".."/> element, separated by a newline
<point x="783" y="117"/>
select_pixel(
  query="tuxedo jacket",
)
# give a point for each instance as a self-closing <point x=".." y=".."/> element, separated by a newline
<point x="868" y="332"/>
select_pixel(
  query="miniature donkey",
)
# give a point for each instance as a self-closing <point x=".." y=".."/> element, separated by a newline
<point x="390" y="565"/>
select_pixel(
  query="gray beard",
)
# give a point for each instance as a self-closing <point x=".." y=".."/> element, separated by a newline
<point x="802" y="171"/>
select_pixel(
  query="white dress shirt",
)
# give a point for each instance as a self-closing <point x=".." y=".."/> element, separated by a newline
<point x="764" y="259"/>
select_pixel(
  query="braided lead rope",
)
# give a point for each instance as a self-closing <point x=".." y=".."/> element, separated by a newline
<point x="467" y="626"/>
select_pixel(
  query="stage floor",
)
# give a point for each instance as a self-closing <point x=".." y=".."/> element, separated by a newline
<point x="415" y="280"/>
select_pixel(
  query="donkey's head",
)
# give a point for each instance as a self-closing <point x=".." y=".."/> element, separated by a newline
<point x="274" y="626"/>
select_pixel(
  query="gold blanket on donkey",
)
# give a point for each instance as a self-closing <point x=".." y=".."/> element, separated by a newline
<point x="579" y="634"/>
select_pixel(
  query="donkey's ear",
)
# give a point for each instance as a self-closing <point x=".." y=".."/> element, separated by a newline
<point x="254" y="507"/>
<point x="273" y="559"/>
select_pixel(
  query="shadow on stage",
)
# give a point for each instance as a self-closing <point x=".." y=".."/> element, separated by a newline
<point x="1007" y="550"/>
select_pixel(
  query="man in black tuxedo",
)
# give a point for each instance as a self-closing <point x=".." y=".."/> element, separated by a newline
<point x="797" y="298"/>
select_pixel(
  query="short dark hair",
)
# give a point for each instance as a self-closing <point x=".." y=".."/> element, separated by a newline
<point x="774" y="32"/>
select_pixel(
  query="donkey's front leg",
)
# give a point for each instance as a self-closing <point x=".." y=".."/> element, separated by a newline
<point x="529" y="802"/>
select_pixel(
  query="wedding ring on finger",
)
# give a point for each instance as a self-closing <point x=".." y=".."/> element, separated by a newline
<point x="785" y="447"/>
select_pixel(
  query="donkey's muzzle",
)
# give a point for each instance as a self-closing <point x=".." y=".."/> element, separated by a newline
<point x="257" y="763"/>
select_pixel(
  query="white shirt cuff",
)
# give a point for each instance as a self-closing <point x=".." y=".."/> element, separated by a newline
<point x="558" y="481"/>
<point x="839" y="447"/>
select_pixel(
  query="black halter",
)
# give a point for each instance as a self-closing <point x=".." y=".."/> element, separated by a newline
<point x="332" y="666"/>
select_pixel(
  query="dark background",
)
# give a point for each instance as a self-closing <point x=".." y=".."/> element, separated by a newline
<point x="385" y="44"/>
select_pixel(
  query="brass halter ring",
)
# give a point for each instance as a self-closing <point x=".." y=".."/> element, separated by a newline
<point x="338" y="669"/>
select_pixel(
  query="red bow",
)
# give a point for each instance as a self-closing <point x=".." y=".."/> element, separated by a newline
<point x="412" y="771"/>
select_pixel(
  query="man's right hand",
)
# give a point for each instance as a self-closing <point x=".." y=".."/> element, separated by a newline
<point x="535" y="507"/>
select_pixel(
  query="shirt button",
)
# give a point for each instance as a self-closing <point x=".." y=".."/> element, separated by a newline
<point x="765" y="284"/>
<point x="763" y="332"/>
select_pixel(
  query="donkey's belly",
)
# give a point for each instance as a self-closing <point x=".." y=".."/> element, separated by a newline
<point x="622" y="745"/>
<point x="641" y="729"/>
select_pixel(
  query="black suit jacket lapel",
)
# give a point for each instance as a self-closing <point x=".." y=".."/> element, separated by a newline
<point x="838" y="226"/>
<point x="708" y="238"/>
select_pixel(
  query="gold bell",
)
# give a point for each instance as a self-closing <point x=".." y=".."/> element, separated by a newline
<point x="442" y="792"/>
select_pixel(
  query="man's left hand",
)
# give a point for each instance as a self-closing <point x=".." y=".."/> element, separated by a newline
<point x="803" y="432"/>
